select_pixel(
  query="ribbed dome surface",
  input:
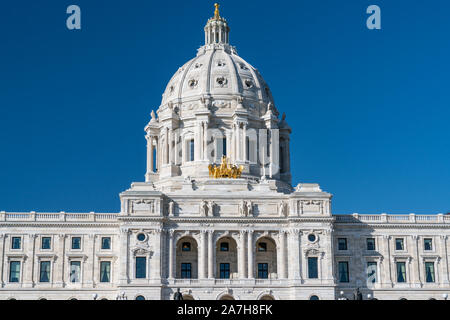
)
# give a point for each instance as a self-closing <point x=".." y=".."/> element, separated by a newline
<point x="217" y="72"/>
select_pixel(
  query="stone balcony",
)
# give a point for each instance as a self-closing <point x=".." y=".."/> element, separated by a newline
<point x="55" y="217"/>
<point x="395" y="219"/>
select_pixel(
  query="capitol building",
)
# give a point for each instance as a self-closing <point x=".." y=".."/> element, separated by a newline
<point x="217" y="215"/>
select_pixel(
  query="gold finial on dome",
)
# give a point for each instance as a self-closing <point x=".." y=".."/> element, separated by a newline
<point x="216" y="11"/>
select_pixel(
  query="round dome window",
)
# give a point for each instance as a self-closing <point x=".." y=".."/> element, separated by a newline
<point x="141" y="237"/>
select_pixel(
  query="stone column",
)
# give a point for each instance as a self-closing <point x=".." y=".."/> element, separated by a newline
<point x="210" y="254"/>
<point x="175" y="147"/>
<point x="244" y="143"/>
<point x="28" y="267"/>
<point x="90" y="273"/>
<point x="232" y="141"/>
<point x="169" y="140"/>
<point x="150" y="160"/>
<point x="388" y="261"/>
<point x="228" y="139"/>
<point x="205" y="138"/>
<point x="282" y="264"/>
<point x="2" y="258"/>
<point x="414" y="249"/>
<point x="238" y="141"/>
<point x="250" y="254"/>
<point x="124" y="256"/>
<point x="172" y="266"/>
<point x="444" y="255"/>
<point x="155" y="262"/>
<point x="202" y="258"/>
<point x="294" y="255"/>
<point x="241" y="261"/>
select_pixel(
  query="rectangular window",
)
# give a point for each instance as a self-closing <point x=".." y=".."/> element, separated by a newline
<point x="186" y="271"/>
<point x="186" y="246"/>
<point x="224" y="246"/>
<point x="262" y="247"/>
<point x="312" y="268"/>
<point x="224" y="271"/>
<point x="106" y="243"/>
<point x="263" y="271"/>
<point x="44" y="275"/>
<point x="429" y="271"/>
<point x="247" y="147"/>
<point x="75" y="271"/>
<point x="191" y="150"/>
<point x="342" y="243"/>
<point x="371" y="272"/>
<point x="428" y="244"/>
<point x="401" y="272"/>
<point x="343" y="271"/>
<point x="46" y="243"/>
<point x="16" y="242"/>
<point x="141" y="267"/>
<point x="76" y="243"/>
<point x="105" y="271"/>
<point x="370" y="243"/>
<point x="224" y="147"/>
<point x="399" y="245"/>
<point x="14" y="271"/>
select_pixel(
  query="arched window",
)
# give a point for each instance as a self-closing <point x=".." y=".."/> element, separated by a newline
<point x="314" y="298"/>
<point x="140" y="298"/>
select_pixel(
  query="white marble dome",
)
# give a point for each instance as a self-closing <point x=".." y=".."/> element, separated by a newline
<point x="217" y="72"/>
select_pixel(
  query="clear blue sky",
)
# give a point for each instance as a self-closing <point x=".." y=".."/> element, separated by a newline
<point x="369" y="109"/>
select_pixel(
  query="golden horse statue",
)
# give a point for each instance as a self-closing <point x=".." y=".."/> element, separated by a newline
<point x="225" y="170"/>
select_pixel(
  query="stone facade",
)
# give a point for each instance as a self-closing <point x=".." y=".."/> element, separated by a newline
<point x="253" y="237"/>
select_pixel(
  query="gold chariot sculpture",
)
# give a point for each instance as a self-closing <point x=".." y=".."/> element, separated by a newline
<point x="225" y="170"/>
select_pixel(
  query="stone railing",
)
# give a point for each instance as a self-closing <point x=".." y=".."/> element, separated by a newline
<point x="395" y="218"/>
<point x="61" y="216"/>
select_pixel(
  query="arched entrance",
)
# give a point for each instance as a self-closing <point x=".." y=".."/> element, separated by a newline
<point x="226" y="258"/>
<point x="188" y="297"/>
<point x="267" y="297"/>
<point x="187" y="258"/>
<point x="226" y="297"/>
<point x="265" y="258"/>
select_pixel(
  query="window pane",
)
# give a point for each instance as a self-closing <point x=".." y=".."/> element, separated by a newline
<point x="224" y="270"/>
<point x="343" y="271"/>
<point x="224" y="246"/>
<point x="76" y="243"/>
<point x="185" y="271"/>
<point x="429" y="271"/>
<point x="141" y="267"/>
<point x="401" y="272"/>
<point x="106" y="243"/>
<point x="263" y="270"/>
<point x="16" y="242"/>
<point x="186" y="246"/>
<point x="312" y="268"/>
<point x="44" y="275"/>
<point x="105" y="271"/>
<point x="191" y="149"/>
<point x="262" y="246"/>
<point x="372" y="272"/>
<point x="14" y="271"/>
<point x="370" y="244"/>
<point x="224" y="146"/>
<point x="428" y="244"/>
<point x="46" y="242"/>
<point x="342" y="244"/>
<point x="398" y="244"/>
<point x="75" y="271"/>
